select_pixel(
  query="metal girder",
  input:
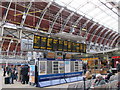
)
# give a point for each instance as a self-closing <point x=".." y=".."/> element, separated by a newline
<point x="41" y="16"/>
<point x="99" y="35"/>
<point x="5" y="16"/>
<point x="110" y="35"/>
<point x="84" y="25"/>
<point x="114" y="40"/>
<point x="54" y="21"/>
<point x="77" y="21"/>
<point x="1" y="32"/>
<point x="9" y="47"/>
<point x="25" y="14"/>
<point x="11" y="33"/>
<point x="95" y="32"/>
<point x="24" y="18"/>
<point x="90" y="29"/>
<point x="16" y="48"/>
<point x="27" y="36"/>
<point x="66" y="21"/>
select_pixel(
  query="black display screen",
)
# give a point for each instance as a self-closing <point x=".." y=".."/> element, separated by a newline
<point x="43" y="44"/>
<point x="49" y="43"/>
<point x="77" y="47"/>
<point x="65" y="46"/>
<point x="60" y="45"/>
<point x="36" y="42"/>
<point x="55" y="44"/>
<point x="73" y="47"/>
<point x="69" y="46"/>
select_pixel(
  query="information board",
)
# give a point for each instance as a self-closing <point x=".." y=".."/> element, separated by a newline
<point x="73" y="47"/>
<point x="77" y="47"/>
<point x="43" y="44"/>
<point x="49" y="43"/>
<point x="55" y="44"/>
<point x="65" y="46"/>
<point x="60" y="45"/>
<point x="36" y="42"/>
<point x="84" y="49"/>
<point x="81" y="47"/>
<point x="69" y="46"/>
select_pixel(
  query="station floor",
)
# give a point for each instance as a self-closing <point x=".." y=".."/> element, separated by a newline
<point x="19" y="85"/>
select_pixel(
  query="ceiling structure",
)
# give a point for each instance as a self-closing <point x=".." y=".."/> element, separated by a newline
<point x="95" y="20"/>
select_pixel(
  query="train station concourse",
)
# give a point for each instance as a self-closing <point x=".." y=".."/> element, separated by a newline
<point x="60" y="44"/>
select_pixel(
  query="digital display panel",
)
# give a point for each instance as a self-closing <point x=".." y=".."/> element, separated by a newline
<point x="49" y="43"/>
<point x="43" y="42"/>
<point x="55" y="44"/>
<point x="69" y="46"/>
<point x="84" y="50"/>
<point x="60" y="45"/>
<point x="73" y="47"/>
<point x="65" y="46"/>
<point x="46" y="43"/>
<point x="77" y="47"/>
<point x="81" y="47"/>
<point x="36" y="42"/>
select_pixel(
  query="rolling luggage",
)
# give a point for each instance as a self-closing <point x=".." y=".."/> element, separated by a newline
<point x="7" y="80"/>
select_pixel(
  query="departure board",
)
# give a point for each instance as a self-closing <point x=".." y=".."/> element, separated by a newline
<point x="43" y="42"/>
<point x="55" y="44"/>
<point x="36" y="42"/>
<point x="65" y="46"/>
<point x="60" y="45"/>
<point x="69" y="46"/>
<point x="77" y="47"/>
<point x="84" y="49"/>
<point x="73" y="47"/>
<point x="49" y="43"/>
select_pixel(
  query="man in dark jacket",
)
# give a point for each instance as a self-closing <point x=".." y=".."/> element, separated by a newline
<point x="24" y="74"/>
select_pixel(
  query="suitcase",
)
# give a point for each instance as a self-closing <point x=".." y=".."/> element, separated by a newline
<point x="7" y="80"/>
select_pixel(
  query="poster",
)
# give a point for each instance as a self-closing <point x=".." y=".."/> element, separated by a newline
<point x="32" y="74"/>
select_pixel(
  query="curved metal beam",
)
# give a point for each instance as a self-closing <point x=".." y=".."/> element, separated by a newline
<point x="41" y="16"/>
<point x="95" y="32"/>
<point x="55" y="19"/>
<point x="66" y="21"/>
<point x="25" y="14"/>
<point x="5" y="16"/>
<point x="110" y="35"/>
<point x="115" y="40"/>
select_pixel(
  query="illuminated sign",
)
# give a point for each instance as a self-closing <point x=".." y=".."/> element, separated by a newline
<point x="43" y="42"/>
<point x="36" y="42"/>
<point x="65" y="46"/>
<point x="55" y="44"/>
<point x="49" y="43"/>
<point x="60" y="45"/>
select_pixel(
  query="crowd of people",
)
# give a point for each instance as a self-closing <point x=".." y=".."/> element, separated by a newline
<point x="19" y="73"/>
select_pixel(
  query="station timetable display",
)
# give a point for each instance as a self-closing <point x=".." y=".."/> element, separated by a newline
<point x="48" y="43"/>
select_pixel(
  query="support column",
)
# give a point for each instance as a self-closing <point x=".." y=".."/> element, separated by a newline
<point x="119" y="25"/>
<point x="1" y="34"/>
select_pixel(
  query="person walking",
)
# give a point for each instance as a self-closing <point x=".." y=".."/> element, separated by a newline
<point x="11" y="75"/>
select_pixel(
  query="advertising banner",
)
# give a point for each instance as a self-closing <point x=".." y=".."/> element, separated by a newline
<point x="32" y="74"/>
